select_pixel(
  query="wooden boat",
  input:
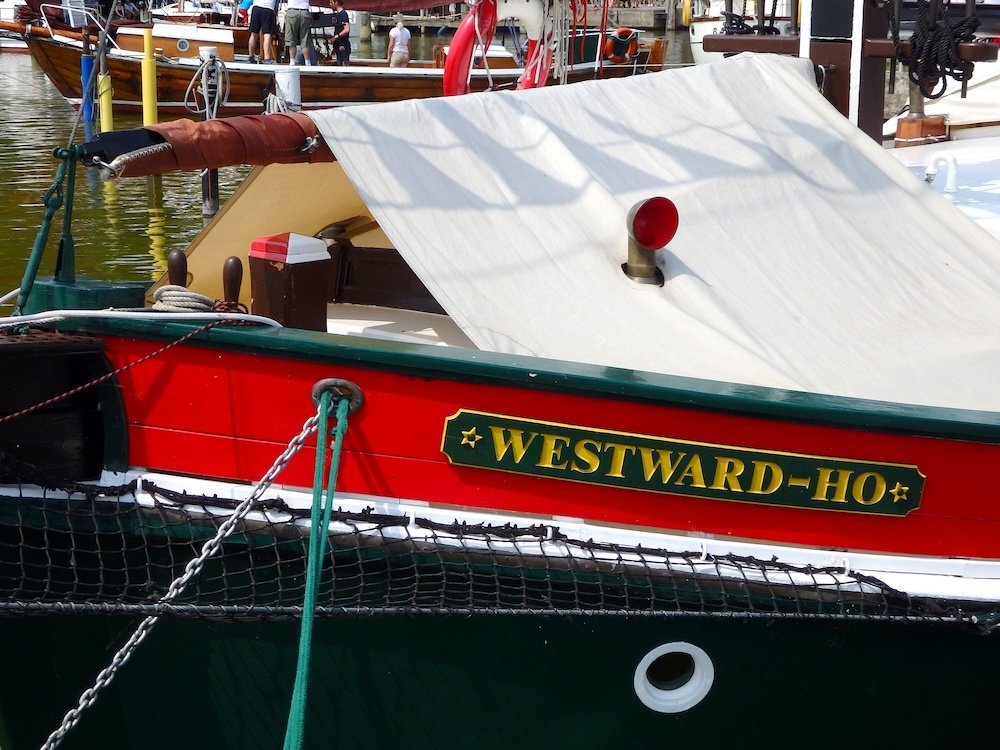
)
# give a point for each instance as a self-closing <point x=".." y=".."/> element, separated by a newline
<point x="34" y="18"/>
<point x="691" y="469"/>
<point x="250" y="85"/>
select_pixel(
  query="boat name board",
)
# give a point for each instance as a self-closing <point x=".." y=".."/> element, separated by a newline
<point x="679" y="467"/>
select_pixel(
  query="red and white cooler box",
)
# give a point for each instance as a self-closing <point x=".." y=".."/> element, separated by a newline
<point x="291" y="276"/>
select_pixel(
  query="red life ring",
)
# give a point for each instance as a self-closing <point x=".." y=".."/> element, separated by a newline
<point x="622" y="46"/>
<point x="458" y="64"/>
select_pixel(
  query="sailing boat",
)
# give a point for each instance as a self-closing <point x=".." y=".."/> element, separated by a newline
<point x="522" y="424"/>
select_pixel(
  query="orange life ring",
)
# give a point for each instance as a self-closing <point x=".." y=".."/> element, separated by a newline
<point x="622" y="46"/>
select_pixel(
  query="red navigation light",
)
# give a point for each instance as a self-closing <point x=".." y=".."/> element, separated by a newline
<point x="652" y="223"/>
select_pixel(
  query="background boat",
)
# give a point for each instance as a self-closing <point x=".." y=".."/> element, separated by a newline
<point x="248" y="87"/>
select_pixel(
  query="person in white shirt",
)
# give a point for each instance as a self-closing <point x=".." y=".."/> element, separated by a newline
<point x="398" y="50"/>
<point x="298" y="31"/>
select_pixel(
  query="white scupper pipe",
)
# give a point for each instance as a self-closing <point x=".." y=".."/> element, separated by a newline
<point x="942" y="159"/>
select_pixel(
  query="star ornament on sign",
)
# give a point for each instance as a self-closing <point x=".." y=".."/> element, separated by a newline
<point x="898" y="492"/>
<point x="470" y="437"/>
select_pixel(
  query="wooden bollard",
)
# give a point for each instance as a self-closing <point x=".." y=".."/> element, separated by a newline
<point x="177" y="274"/>
<point x="232" y="279"/>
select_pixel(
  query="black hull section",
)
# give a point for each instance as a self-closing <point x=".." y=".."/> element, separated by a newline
<point x="499" y="682"/>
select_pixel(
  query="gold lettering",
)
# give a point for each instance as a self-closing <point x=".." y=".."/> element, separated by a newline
<point x="516" y="443"/>
<point x="727" y="473"/>
<point x="552" y="446"/>
<point x="840" y="486"/>
<point x="693" y="472"/>
<point x="591" y="461"/>
<point x="618" y="452"/>
<point x="661" y="460"/>
<point x="858" y="488"/>
<point x="761" y="470"/>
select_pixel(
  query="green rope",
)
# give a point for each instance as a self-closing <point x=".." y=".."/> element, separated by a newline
<point x="53" y="202"/>
<point x="317" y="542"/>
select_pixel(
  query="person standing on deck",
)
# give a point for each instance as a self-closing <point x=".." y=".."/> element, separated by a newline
<point x="398" y="50"/>
<point x="341" y="33"/>
<point x="298" y="31"/>
<point x="263" y="21"/>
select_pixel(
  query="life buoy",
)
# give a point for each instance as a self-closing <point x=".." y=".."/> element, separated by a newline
<point x="481" y="20"/>
<point x="622" y="46"/>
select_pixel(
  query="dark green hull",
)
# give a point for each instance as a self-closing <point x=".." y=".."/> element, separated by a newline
<point x="498" y="681"/>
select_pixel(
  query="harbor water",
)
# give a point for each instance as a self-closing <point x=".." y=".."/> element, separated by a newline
<point x="124" y="229"/>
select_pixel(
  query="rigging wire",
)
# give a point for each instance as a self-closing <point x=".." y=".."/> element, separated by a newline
<point x="483" y="46"/>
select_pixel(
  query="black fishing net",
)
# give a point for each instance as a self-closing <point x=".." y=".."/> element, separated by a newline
<point x="85" y="548"/>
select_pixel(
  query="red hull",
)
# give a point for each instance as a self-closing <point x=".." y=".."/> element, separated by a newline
<point x="223" y="414"/>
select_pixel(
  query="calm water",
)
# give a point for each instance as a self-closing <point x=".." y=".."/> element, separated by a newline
<point x="123" y="230"/>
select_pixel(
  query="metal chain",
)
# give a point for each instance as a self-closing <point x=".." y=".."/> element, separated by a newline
<point x="191" y="571"/>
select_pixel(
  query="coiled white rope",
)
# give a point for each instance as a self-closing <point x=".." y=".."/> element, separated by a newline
<point x="201" y="83"/>
<point x="180" y="299"/>
<point x="275" y="103"/>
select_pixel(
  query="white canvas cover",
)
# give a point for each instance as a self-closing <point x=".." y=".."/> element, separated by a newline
<point x="806" y="257"/>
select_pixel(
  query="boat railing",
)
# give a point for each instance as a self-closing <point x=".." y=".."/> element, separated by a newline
<point x="701" y="10"/>
<point x="74" y="15"/>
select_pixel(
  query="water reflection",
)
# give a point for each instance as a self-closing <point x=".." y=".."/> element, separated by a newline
<point x="123" y="230"/>
<point x="156" y="230"/>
